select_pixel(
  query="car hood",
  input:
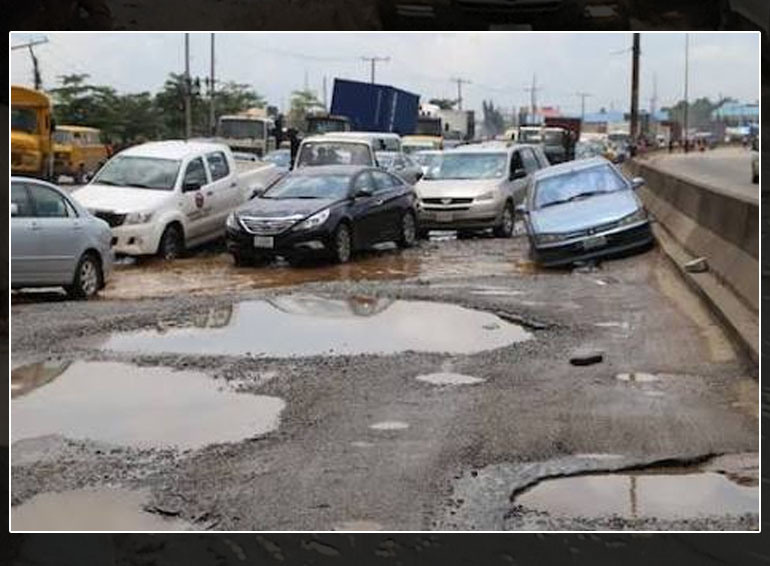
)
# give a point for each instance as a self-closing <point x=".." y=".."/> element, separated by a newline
<point x="581" y="214"/>
<point x="121" y="199"/>
<point x="455" y="188"/>
<point x="277" y="208"/>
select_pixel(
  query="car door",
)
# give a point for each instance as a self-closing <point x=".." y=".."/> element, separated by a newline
<point x="193" y="200"/>
<point x="516" y="182"/>
<point x="387" y="200"/>
<point x="223" y="193"/>
<point x="531" y="165"/>
<point x="26" y="245"/>
<point x="364" y="210"/>
<point x="61" y="232"/>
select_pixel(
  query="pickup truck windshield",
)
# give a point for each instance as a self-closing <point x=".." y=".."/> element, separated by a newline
<point x="142" y="172"/>
<point x="310" y="187"/>
<point x="577" y="184"/>
<point x="334" y="153"/>
<point x="469" y="166"/>
<point x="242" y="129"/>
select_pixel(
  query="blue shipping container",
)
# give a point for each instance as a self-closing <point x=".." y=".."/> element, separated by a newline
<point x="375" y="108"/>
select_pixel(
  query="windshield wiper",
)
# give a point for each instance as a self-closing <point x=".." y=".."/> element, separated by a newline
<point x="102" y="182"/>
<point x="573" y="197"/>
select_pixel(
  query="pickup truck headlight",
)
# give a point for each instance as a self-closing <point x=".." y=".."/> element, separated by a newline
<point x="314" y="221"/>
<point x="232" y="221"/>
<point x="637" y="216"/>
<point x="489" y="195"/>
<point x="138" y="218"/>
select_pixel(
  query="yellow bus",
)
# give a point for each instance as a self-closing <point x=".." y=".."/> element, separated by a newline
<point x="31" y="128"/>
<point x="78" y="151"/>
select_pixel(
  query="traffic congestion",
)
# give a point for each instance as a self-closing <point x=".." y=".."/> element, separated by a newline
<point x="380" y="307"/>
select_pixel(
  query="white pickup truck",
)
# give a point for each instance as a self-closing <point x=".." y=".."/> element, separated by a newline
<point x="164" y="197"/>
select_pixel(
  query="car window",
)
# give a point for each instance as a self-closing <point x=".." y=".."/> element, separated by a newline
<point x="20" y="197"/>
<point x="195" y="172"/>
<point x="217" y="165"/>
<point x="48" y="203"/>
<point x="530" y="163"/>
<point x="516" y="161"/>
<point x="383" y="181"/>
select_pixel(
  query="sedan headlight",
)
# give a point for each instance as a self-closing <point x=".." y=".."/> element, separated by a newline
<point x="550" y="238"/>
<point x="232" y="221"/>
<point x="633" y="218"/>
<point x="138" y="218"/>
<point x="489" y="195"/>
<point x="314" y="221"/>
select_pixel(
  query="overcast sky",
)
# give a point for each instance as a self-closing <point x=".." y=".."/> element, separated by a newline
<point x="499" y="65"/>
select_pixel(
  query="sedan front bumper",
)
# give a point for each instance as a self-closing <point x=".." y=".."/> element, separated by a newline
<point x="287" y="243"/>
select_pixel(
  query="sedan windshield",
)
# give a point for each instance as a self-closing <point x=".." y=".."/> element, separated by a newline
<point x="470" y="166"/>
<point x="142" y="172"/>
<point x="574" y="185"/>
<point x="310" y="187"/>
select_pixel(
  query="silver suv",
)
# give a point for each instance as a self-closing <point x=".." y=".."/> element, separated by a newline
<point x="477" y="187"/>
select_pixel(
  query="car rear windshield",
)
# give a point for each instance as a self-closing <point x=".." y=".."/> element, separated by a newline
<point x="470" y="166"/>
<point x="333" y="153"/>
<point x="142" y="172"/>
<point x="575" y="184"/>
<point x="310" y="187"/>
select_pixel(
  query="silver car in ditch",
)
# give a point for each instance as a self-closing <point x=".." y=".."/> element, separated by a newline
<point x="476" y="187"/>
<point x="55" y="242"/>
<point x="582" y="210"/>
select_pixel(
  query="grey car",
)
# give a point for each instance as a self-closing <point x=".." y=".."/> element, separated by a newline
<point x="55" y="241"/>
<point x="582" y="210"/>
<point x="400" y="164"/>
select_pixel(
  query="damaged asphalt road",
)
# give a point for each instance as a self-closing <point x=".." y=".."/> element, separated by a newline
<point x="450" y="434"/>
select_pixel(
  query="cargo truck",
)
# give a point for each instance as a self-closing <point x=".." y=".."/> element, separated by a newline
<point x="250" y="131"/>
<point x="375" y="108"/>
<point x="31" y="133"/>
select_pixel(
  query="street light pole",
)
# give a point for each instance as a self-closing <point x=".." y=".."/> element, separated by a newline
<point x="374" y="61"/>
<point x="634" y="130"/>
<point x="686" y="81"/>
<point x="187" y="87"/>
<point x="212" y="117"/>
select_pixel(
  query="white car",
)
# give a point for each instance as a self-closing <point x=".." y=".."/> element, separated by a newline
<point x="335" y="149"/>
<point x="164" y="197"/>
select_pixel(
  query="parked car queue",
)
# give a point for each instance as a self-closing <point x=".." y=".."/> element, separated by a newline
<point x="330" y="209"/>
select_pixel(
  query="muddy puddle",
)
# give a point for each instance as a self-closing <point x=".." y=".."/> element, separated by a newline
<point x="663" y="495"/>
<point x="91" y="509"/>
<point x="306" y="325"/>
<point x="139" y="406"/>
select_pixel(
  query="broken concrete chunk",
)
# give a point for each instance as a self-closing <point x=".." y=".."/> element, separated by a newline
<point x="697" y="265"/>
<point x="586" y="357"/>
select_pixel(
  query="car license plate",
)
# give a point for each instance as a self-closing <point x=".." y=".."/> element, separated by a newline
<point x="444" y="217"/>
<point x="595" y="242"/>
<point x="263" y="241"/>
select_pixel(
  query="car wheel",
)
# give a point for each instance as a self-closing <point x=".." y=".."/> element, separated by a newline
<point x="88" y="277"/>
<point x="505" y="228"/>
<point x="342" y="244"/>
<point x="408" y="230"/>
<point x="171" y="243"/>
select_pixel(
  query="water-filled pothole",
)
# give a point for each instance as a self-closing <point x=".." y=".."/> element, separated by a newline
<point x="446" y="378"/>
<point x="389" y="425"/>
<point x="663" y="495"/>
<point x="139" y="406"/>
<point x="638" y="377"/>
<point x="302" y="325"/>
<point x="91" y="509"/>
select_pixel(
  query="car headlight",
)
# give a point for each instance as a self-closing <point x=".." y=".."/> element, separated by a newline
<point x="232" y="221"/>
<point x="489" y="195"/>
<point x="550" y="238"/>
<point x="138" y="218"/>
<point x="314" y="221"/>
<point x="637" y="216"/>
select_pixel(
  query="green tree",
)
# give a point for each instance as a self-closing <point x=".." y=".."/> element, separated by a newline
<point x="302" y="102"/>
<point x="493" y="120"/>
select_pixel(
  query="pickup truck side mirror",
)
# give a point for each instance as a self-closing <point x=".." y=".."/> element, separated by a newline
<point x="190" y="186"/>
<point x="521" y="209"/>
<point x="14" y="209"/>
<point x="637" y="182"/>
<point x="518" y="174"/>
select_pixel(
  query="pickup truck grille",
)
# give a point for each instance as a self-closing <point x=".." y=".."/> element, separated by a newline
<point x="267" y="226"/>
<point x="111" y="218"/>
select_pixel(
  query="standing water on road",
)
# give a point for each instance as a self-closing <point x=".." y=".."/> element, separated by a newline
<point x="139" y="406"/>
<point x="304" y="325"/>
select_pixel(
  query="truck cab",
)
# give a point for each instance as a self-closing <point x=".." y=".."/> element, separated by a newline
<point x="336" y="149"/>
<point x="31" y="130"/>
<point x="324" y="123"/>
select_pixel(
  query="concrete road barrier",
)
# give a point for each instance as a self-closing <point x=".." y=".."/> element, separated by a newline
<point x="719" y="225"/>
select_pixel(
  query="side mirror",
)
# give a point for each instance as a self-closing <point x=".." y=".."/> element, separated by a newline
<point x="518" y="174"/>
<point x="637" y="182"/>
<point x="257" y="190"/>
<point x="420" y="174"/>
<point x="521" y="209"/>
<point x="190" y="186"/>
<point x="14" y="209"/>
<point x="363" y="192"/>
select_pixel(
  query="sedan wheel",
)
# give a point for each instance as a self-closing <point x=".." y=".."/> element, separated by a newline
<point x="88" y="278"/>
<point x="408" y="231"/>
<point x="342" y="244"/>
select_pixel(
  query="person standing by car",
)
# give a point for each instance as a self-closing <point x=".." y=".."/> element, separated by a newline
<point x="293" y="146"/>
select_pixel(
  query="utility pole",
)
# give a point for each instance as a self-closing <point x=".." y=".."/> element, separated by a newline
<point x="373" y="61"/>
<point x="326" y="106"/>
<point x="583" y="96"/>
<point x="460" y="82"/>
<point x="634" y="130"/>
<point x="36" y="79"/>
<point x="187" y="89"/>
<point x="212" y="110"/>
<point x="686" y="81"/>
<point x="533" y="95"/>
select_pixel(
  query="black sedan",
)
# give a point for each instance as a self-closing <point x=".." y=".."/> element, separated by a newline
<point x="332" y="210"/>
